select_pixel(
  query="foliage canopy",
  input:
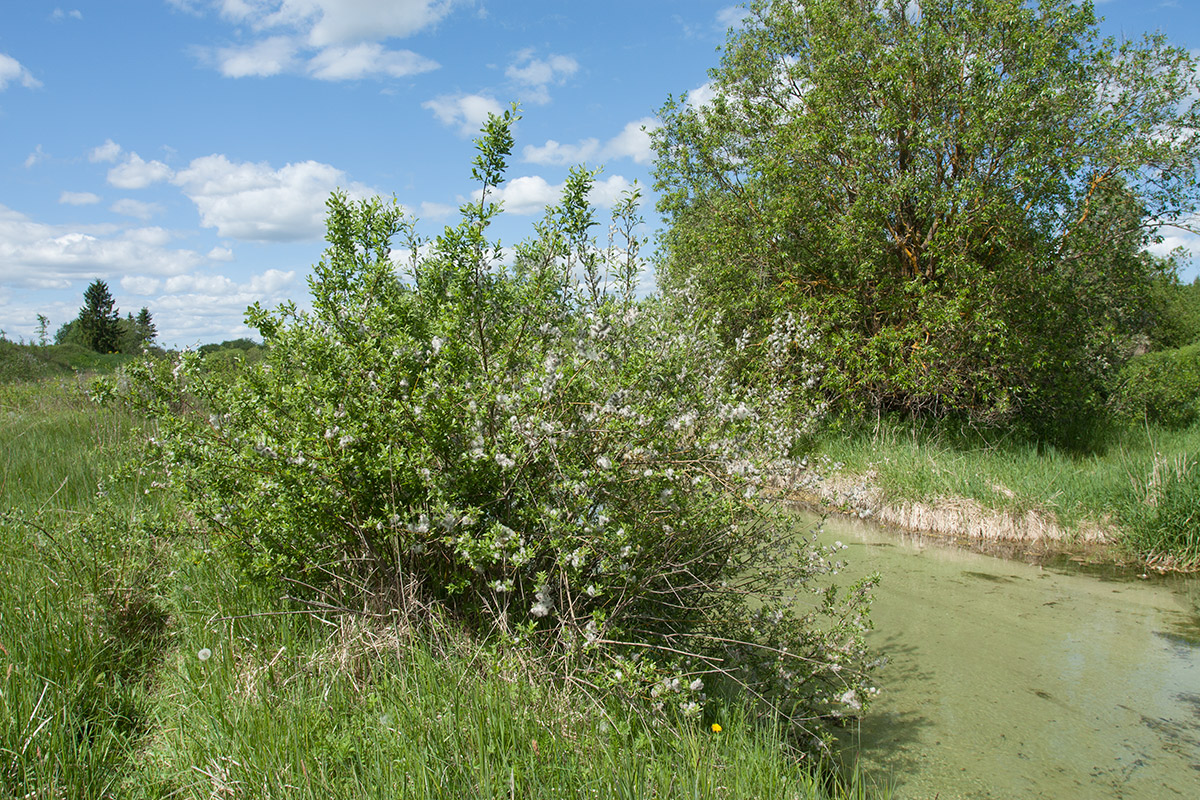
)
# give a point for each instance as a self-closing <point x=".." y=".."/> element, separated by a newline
<point x="954" y="196"/>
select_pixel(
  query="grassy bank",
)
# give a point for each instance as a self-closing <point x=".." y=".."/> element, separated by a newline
<point x="137" y="662"/>
<point x="26" y="362"/>
<point x="1139" y="485"/>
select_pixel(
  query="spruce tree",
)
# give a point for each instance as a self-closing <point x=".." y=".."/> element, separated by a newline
<point x="144" y="328"/>
<point x="99" y="319"/>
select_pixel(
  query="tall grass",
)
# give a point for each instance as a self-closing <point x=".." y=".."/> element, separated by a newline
<point x="108" y="601"/>
<point x="78" y="620"/>
<point x="1163" y="514"/>
<point x="304" y="706"/>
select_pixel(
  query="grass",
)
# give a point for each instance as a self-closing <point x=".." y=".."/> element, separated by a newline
<point x="108" y="599"/>
<point x="1123" y="480"/>
<point x="27" y="362"/>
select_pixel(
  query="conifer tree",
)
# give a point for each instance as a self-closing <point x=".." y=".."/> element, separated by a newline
<point x="99" y="319"/>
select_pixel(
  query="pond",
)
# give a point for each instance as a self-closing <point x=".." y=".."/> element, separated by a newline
<point x="1008" y="679"/>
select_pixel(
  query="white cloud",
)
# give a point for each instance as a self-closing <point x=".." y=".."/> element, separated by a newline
<point x="135" y="208"/>
<point x="525" y="195"/>
<point x="39" y="255"/>
<point x="137" y="173"/>
<point x="557" y="154"/>
<point x="192" y="308"/>
<point x="153" y="237"/>
<point x="326" y="22"/>
<point x="435" y="211"/>
<point x="107" y="152"/>
<point x="195" y="307"/>
<point x="732" y="17"/>
<point x="632" y="142"/>
<point x="78" y="198"/>
<point x="340" y="39"/>
<point x="220" y="254"/>
<point x="532" y="193"/>
<point x="38" y="155"/>
<point x="59" y="15"/>
<point x="254" y="202"/>
<point x="367" y="59"/>
<point x="702" y="95"/>
<point x="607" y="192"/>
<point x="140" y="285"/>
<point x="466" y="111"/>
<point x="271" y="56"/>
<point x="12" y="71"/>
<point x="536" y="75"/>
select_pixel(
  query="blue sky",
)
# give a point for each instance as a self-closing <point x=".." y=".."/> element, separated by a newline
<point x="182" y="150"/>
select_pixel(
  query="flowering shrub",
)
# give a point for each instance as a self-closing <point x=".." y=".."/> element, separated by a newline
<point x="525" y="446"/>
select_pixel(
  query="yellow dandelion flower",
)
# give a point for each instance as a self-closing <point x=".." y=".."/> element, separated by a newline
<point x="716" y="728"/>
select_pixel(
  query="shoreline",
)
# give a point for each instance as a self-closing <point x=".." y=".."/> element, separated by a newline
<point x="1032" y="536"/>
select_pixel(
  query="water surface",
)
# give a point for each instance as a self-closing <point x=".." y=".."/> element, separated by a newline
<point x="1013" y="680"/>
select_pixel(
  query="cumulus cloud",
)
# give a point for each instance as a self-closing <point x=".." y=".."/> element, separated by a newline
<point x="39" y="255"/>
<point x="270" y="56"/>
<point x="555" y="153"/>
<point x="702" y="95"/>
<point x="632" y="142"/>
<point x="365" y="60"/>
<point x="11" y="71"/>
<point x="324" y="39"/>
<point x="467" y="112"/>
<point x="199" y="307"/>
<point x="435" y="211"/>
<point x="140" y="285"/>
<point x="532" y="193"/>
<point x="220" y="254"/>
<point x="607" y="192"/>
<point x="253" y="201"/>
<point x="328" y="22"/>
<point x="135" y="208"/>
<point x="78" y="198"/>
<point x="108" y="152"/>
<point x="536" y="75"/>
<point x="137" y="173"/>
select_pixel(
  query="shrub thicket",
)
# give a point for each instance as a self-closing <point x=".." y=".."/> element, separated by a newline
<point x="527" y="447"/>
<point x="1161" y="387"/>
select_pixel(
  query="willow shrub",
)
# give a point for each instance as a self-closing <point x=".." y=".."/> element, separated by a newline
<point x="1161" y="387"/>
<point x="524" y="447"/>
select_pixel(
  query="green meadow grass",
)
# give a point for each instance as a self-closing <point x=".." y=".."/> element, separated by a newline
<point x="108" y="600"/>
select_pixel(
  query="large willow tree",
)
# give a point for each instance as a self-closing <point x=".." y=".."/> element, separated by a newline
<point x="955" y="195"/>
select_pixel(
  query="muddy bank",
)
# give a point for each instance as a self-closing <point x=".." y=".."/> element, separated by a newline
<point x="1033" y="534"/>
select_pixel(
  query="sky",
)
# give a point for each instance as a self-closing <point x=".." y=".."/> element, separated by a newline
<point x="183" y="150"/>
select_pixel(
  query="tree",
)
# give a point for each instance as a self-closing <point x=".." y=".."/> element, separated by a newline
<point x="69" y="333"/>
<point x="43" y="324"/>
<point x="99" y="321"/>
<point x="940" y="194"/>
<point x="137" y="333"/>
<point x="145" y="328"/>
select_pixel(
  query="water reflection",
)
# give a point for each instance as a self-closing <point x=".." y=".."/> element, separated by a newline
<point x="1014" y="680"/>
